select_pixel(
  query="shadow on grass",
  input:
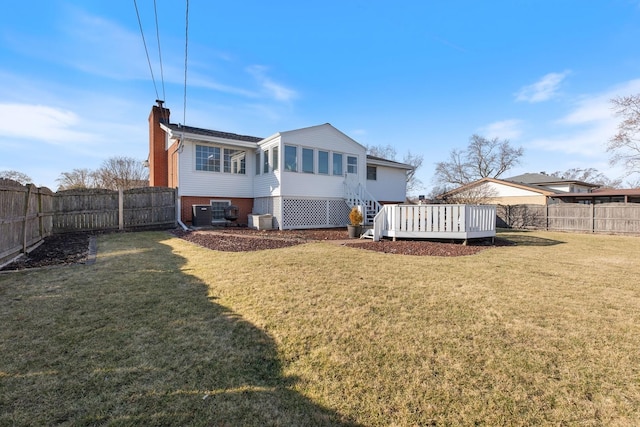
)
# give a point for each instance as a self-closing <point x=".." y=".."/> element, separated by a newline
<point x="525" y="238"/>
<point x="132" y="340"/>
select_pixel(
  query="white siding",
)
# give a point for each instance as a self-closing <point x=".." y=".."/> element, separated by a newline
<point x="268" y="184"/>
<point x="500" y="190"/>
<point x="390" y="184"/>
<point x="213" y="184"/>
<point x="314" y="185"/>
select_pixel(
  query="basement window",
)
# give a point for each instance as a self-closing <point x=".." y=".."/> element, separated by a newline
<point x="217" y="210"/>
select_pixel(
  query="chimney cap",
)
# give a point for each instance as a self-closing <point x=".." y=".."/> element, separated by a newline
<point x="160" y="102"/>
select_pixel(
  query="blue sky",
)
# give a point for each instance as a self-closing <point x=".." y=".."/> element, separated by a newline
<point x="422" y="76"/>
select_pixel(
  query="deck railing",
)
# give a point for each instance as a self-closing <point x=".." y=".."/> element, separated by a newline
<point x="435" y="221"/>
<point x="359" y="196"/>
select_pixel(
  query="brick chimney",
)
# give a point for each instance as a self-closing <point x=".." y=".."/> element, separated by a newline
<point x="158" y="158"/>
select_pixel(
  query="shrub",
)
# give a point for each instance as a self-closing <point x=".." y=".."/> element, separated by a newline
<point x="355" y="216"/>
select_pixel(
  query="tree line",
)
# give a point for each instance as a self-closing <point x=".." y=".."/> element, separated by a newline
<point x="115" y="173"/>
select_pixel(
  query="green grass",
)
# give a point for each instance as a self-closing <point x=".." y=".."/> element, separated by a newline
<point x="162" y="332"/>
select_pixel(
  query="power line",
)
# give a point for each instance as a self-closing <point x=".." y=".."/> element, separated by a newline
<point x="145" y="49"/>
<point x="155" y="10"/>
<point x="186" y="44"/>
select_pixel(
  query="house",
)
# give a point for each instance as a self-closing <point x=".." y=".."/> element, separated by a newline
<point x="303" y="178"/>
<point x="553" y="183"/>
<point x="537" y="189"/>
<point x="602" y="195"/>
<point x="528" y="188"/>
<point x="498" y="192"/>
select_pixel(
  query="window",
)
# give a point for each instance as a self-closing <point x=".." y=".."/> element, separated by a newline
<point x="257" y="162"/>
<point x="265" y="162"/>
<point x="207" y="158"/>
<point x="291" y="158"/>
<point x="352" y="164"/>
<point x="274" y="157"/>
<point x="217" y="209"/>
<point x="323" y="162"/>
<point x="233" y="161"/>
<point x="307" y="160"/>
<point x="237" y="160"/>
<point x="372" y="173"/>
<point x="337" y="164"/>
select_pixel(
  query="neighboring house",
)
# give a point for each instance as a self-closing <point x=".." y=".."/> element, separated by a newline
<point x="538" y="189"/>
<point x="498" y="192"/>
<point x="602" y="195"/>
<point x="304" y="178"/>
<point x="553" y="183"/>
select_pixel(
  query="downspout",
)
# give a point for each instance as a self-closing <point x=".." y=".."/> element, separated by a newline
<point x="178" y="200"/>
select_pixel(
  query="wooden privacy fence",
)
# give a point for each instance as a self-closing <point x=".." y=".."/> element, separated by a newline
<point x="92" y="210"/>
<point x="613" y="218"/>
<point x="29" y="214"/>
<point x="25" y="218"/>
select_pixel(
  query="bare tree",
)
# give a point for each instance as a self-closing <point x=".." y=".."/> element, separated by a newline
<point x="389" y="152"/>
<point x="77" y="178"/>
<point x="383" y="151"/>
<point x="122" y="172"/>
<point x="624" y="147"/>
<point x="590" y="175"/>
<point x="483" y="158"/>
<point x="413" y="183"/>
<point x="19" y="177"/>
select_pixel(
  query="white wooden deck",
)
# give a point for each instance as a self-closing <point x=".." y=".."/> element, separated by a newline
<point x="435" y="222"/>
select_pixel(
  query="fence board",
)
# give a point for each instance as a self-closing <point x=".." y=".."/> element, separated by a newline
<point x="25" y="219"/>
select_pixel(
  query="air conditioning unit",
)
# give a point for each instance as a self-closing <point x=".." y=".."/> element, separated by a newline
<point x="201" y="215"/>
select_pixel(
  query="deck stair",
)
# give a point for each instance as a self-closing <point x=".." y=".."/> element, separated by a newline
<point x="358" y="196"/>
<point x="368" y="234"/>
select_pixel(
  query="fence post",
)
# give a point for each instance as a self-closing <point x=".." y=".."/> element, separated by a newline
<point x="593" y="217"/>
<point x="546" y="216"/>
<point x="120" y="209"/>
<point x="26" y="217"/>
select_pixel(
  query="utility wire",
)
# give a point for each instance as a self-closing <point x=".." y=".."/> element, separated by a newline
<point x="155" y="10"/>
<point x="145" y="49"/>
<point x="186" y="44"/>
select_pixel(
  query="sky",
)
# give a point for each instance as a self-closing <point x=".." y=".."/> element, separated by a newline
<point x="422" y="76"/>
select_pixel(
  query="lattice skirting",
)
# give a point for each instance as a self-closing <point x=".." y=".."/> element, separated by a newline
<point x="314" y="213"/>
<point x="294" y="213"/>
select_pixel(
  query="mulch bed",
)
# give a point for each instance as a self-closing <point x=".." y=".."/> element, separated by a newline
<point x="72" y="248"/>
<point x="245" y="239"/>
<point x="59" y="249"/>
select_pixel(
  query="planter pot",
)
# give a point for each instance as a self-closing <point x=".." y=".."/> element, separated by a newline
<point x="355" y="231"/>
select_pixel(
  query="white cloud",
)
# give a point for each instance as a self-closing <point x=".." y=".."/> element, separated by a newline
<point x="543" y="90"/>
<point x="587" y="128"/>
<point x="505" y="129"/>
<point x="275" y="90"/>
<point x="40" y="122"/>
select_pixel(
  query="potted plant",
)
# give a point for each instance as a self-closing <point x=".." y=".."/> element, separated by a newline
<point x="355" y="218"/>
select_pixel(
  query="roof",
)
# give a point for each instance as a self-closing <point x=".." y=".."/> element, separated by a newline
<point x="544" y="179"/>
<point x="384" y="162"/>
<point x="177" y="128"/>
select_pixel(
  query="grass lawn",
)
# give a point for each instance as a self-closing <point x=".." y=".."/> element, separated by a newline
<point x="162" y="332"/>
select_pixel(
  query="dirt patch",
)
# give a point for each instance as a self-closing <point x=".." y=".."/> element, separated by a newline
<point x="59" y="249"/>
